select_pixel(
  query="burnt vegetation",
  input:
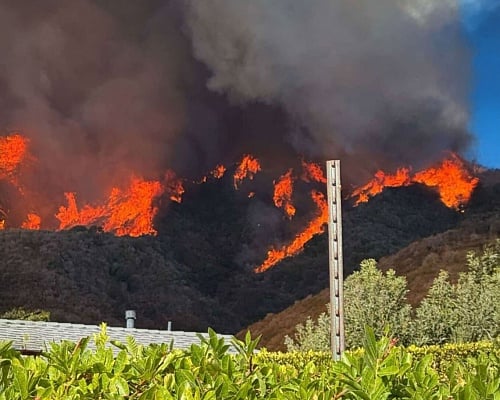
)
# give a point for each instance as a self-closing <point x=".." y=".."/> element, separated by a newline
<point x="192" y="273"/>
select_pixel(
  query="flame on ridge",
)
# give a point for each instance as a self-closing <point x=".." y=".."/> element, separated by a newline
<point x="218" y="171"/>
<point x="13" y="151"/>
<point x="126" y="212"/>
<point x="315" y="226"/>
<point x="380" y="181"/>
<point x="131" y="210"/>
<point x="450" y="178"/>
<point x="247" y="168"/>
<point x="283" y="190"/>
<point x="33" y="222"/>
<point x="311" y="172"/>
<point x="173" y="186"/>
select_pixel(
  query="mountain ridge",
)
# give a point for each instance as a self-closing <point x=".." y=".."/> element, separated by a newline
<point x="190" y="274"/>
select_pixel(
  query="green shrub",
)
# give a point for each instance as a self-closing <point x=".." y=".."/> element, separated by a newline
<point x="465" y="311"/>
<point x="380" y="370"/>
<point x="370" y="298"/>
<point x="21" y="313"/>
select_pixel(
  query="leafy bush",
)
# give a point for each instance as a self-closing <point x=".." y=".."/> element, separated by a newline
<point x="312" y="335"/>
<point x="370" y="298"/>
<point x="465" y="311"/>
<point x="208" y="371"/>
<point x="21" y="313"/>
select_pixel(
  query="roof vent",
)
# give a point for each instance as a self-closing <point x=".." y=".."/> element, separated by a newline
<point x="130" y="318"/>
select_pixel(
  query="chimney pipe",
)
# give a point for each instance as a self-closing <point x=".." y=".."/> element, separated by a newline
<point x="169" y="326"/>
<point x="130" y="318"/>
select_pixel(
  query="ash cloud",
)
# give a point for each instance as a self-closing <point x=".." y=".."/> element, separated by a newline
<point x="108" y="88"/>
<point x="95" y="85"/>
<point x="386" y="79"/>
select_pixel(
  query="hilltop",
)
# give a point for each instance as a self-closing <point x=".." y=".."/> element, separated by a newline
<point x="419" y="262"/>
<point x="192" y="273"/>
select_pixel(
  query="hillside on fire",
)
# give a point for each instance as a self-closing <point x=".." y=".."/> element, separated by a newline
<point x="171" y="159"/>
<point x="419" y="262"/>
<point x="199" y="270"/>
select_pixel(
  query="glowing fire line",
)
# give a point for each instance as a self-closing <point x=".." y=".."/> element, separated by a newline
<point x="131" y="210"/>
<point x="450" y="178"/>
<point x="315" y="226"/>
<point x="283" y="190"/>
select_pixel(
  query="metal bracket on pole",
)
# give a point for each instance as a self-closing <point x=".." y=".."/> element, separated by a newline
<point x="335" y="258"/>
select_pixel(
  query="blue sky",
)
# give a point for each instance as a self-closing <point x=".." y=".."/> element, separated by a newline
<point x="482" y="22"/>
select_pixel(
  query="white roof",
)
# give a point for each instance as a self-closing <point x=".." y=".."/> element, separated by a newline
<point x="34" y="336"/>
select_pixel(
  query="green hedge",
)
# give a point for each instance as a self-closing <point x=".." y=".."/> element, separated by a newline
<point x="208" y="371"/>
<point x="442" y="356"/>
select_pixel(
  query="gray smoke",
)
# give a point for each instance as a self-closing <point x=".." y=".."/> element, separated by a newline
<point x="383" y="79"/>
<point x="94" y="85"/>
<point x="109" y="88"/>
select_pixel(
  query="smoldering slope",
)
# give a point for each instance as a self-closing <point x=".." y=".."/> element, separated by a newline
<point x="107" y="88"/>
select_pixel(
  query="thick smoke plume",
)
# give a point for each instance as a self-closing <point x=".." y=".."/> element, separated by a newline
<point x="95" y="85"/>
<point x="385" y="79"/>
<point x="107" y="88"/>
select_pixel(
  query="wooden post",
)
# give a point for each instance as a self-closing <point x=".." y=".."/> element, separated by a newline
<point x="335" y="258"/>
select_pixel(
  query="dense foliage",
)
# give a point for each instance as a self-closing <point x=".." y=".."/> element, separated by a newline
<point x="208" y="371"/>
<point x="27" y="315"/>
<point x="198" y="270"/>
<point x="465" y="311"/>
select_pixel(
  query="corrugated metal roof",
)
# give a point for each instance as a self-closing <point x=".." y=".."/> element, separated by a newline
<point x="34" y="336"/>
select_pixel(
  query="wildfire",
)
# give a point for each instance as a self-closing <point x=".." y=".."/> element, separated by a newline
<point x="312" y="172"/>
<point x="283" y="190"/>
<point x="173" y="186"/>
<point x="33" y="222"/>
<point x="315" y="226"/>
<point x="13" y="151"/>
<point x="379" y="182"/>
<point x="126" y="212"/>
<point x="247" y="168"/>
<point x="219" y="171"/>
<point x="450" y="178"/>
<point x="131" y="210"/>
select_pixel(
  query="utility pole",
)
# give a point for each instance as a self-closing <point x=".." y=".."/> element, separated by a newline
<point x="337" y="338"/>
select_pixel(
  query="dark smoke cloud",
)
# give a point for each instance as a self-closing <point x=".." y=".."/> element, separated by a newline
<point x="107" y="88"/>
<point x="385" y="79"/>
<point x="96" y="85"/>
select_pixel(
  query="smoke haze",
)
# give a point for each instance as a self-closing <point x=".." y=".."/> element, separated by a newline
<point x="109" y="88"/>
<point x="387" y="78"/>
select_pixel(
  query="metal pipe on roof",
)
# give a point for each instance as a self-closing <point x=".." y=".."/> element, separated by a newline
<point x="130" y="318"/>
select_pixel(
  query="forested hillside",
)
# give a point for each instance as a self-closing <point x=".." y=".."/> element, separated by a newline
<point x="192" y="273"/>
<point x="420" y="262"/>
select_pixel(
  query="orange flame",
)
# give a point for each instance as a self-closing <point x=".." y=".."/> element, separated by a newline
<point x="13" y="151"/>
<point x="312" y="172"/>
<point x="248" y="167"/>
<point x="219" y="171"/>
<point x="381" y="181"/>
<point x="128" y="212"/>
<point x="314" y="227"/>
<point x="173" y="186"/>
<point x="33" y="222"/>
<point x="283" y="190"/>
<point x="450" y="178"/>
